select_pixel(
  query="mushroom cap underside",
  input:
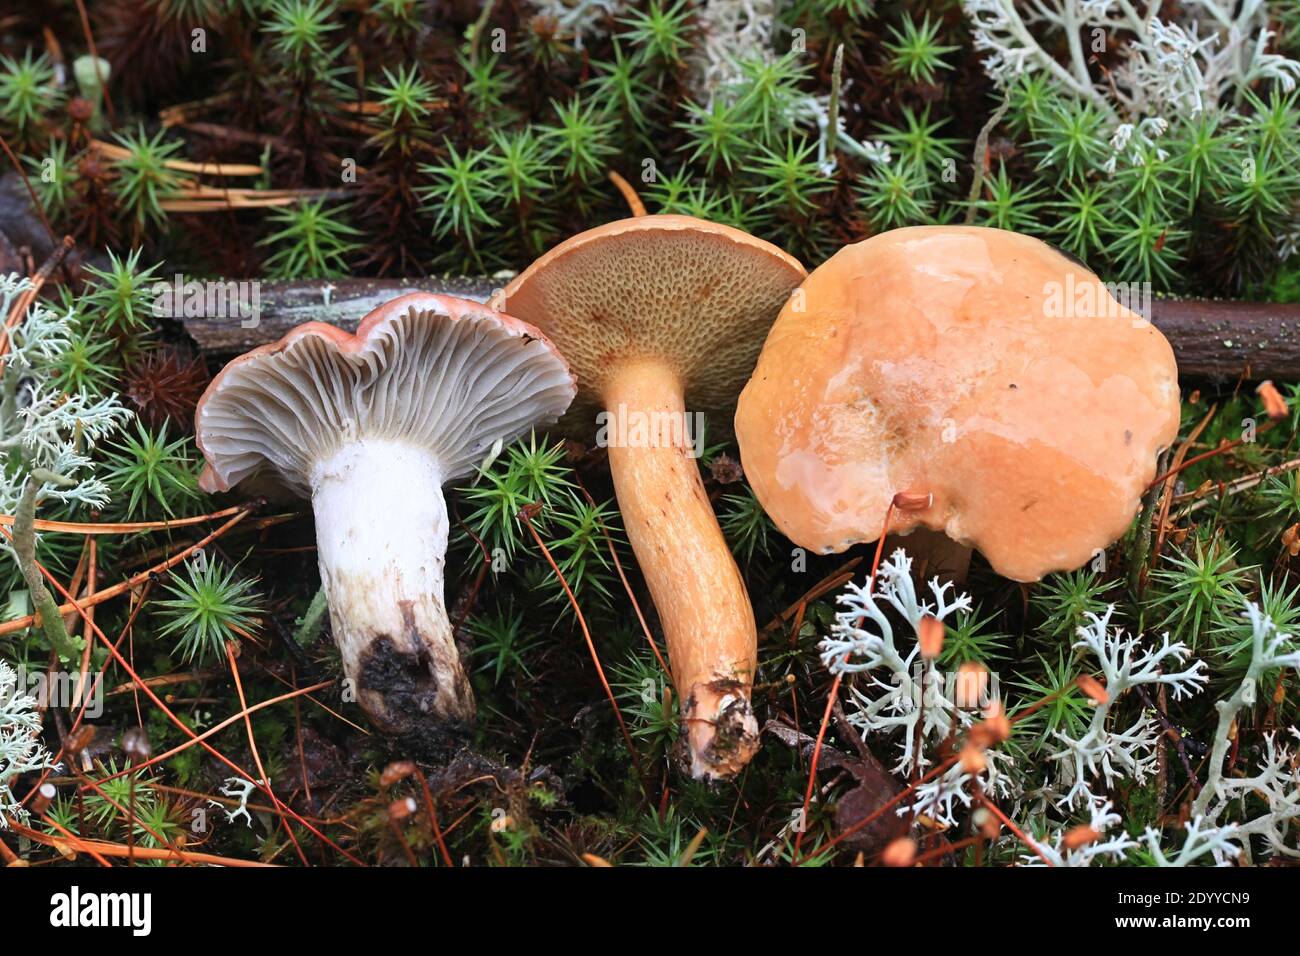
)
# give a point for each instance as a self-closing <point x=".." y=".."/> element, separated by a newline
<point x="698" y="295"/>
<point x="446" y="374"/>
<point x="978" y="366"/>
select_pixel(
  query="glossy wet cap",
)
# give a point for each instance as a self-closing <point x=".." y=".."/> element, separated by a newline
<point x="992" y="380"/>
<point x="446" y="374"/>
<point x="698" y="294"/>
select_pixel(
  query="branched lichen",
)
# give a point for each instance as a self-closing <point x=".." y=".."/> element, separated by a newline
<point x="45" y="439"/>
<point x="1201" y="840"/>
<point x="1211" y="53"/>
<point x="21" y="750"/>
<point x="904" y="701"/>
<point x="1278" y="781"/>
<point x="1066" y="849"/>
<point x="908" y="690"/>
<point x="40" y="426"/>
<point x="941" y="798"/>
<point x="1128" y="753"/>
<point x="1190" y="64"/>
<point x="237" y="788"/>
<point x="1086" y="844"/>
<point x="731" y="31"/>
<point x="579" y="19"/>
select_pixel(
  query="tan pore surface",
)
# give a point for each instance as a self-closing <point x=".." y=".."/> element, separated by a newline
<point x="697" y="294"/>
<point x="976" y="365"/>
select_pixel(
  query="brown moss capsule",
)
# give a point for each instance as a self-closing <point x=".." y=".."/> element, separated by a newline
<point x="1078" y="837"/>
<point x="1274" y="404"/>
<point x="930" y="634"/>
<point x="79" y="739"/>
<point x="1094" y="688"/>
<point x="136" y="746"/>
<point x="395" y="771"/>
<point x="402" y="809"/>
<point x="900" y="852"/>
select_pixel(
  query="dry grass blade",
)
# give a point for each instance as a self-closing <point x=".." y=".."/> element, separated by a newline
<point x="108" y="594"/>
<point x="101" y="849"/>
<point x="123" y="527"/>
<point x="113" y="151"/>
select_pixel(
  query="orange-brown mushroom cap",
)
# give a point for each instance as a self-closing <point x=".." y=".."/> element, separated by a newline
<point x="977" y="366"/>
<point x="698" y="295"/>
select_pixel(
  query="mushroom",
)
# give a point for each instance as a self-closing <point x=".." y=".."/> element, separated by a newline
<point x="658" y="315"/>
<point x="370" y="426"/>
<point x="992" y="386"/>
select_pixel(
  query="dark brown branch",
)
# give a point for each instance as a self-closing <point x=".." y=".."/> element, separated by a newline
<point x="341" y="302"/>
<point x="1213" y="340"/>
<point x="1221" y="340"/>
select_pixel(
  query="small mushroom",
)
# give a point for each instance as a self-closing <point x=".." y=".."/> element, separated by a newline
<point x="662" y="317"/>
<point x="371" y="426"/>
<point x="980" y="376"/>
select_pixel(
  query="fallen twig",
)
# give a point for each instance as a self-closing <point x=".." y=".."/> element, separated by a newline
<point x="1212" y="340"/>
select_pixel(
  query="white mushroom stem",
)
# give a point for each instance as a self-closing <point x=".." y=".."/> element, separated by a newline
<point x="381" y="538"/>
<point x="697" y="589"/>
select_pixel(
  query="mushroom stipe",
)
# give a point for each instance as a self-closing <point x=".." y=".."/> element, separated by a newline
<point x="371" y="426"/>
<point x="658" y="315"/>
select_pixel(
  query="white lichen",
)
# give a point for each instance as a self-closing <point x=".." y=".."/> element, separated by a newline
<point x="1277" y="783"/>
<point x="1128" y="753"/>
<point x="1201" y="840"/>
<point x="1204" y="59"/>
<point x="814" y="112"/>
<point x="953" y="790"/>
<point x="902" y="690"/>
<point x="731" y="32"/>
<point x="41" y="426"/>
<point x="21" y="750"/>
<point x="1061" y="852"/>
<point x="897" y="696"/>
<point x="1072" y="847"/>
<point x="237" y="788"/>
<point x="580" y="19"/>
<point x="1210" y="53"/>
